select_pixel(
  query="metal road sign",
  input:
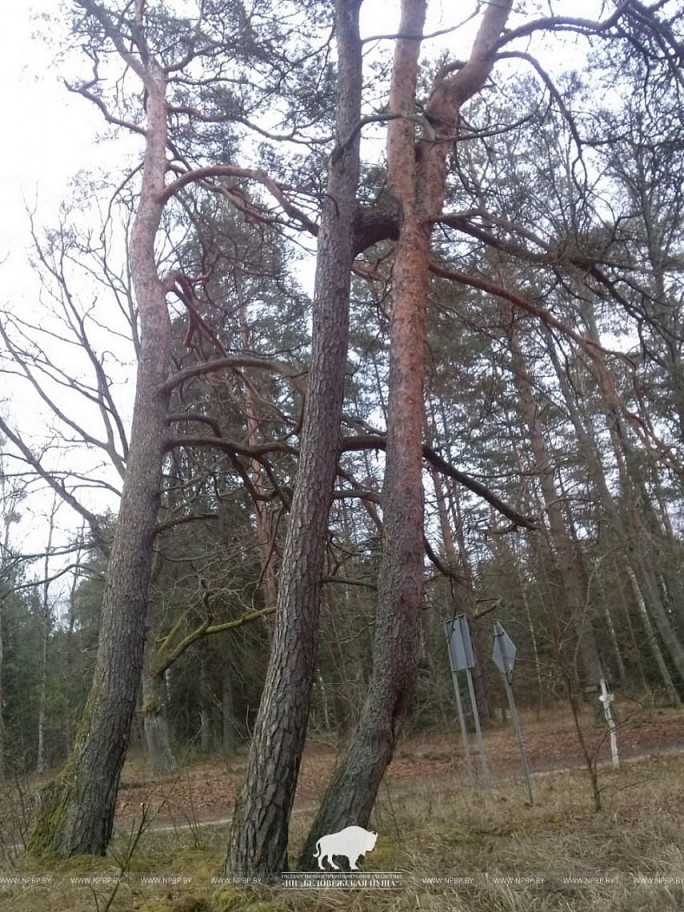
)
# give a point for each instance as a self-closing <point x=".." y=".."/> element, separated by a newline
<point x="504" y="651"/>
<point x="461" y="650"/>
<point x="503" y="655"/>
<point x="462" y="658"/>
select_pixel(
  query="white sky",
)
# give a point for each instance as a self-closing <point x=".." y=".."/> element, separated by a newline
<point x="52" y="133"/>
<point x="50" y="136"/>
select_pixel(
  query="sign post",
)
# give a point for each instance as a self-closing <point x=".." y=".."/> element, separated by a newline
<point x="606" y="700"/>
<point x="462" y="658"/>
<point x="478" y="730"/>
<point x="504" y="652"/>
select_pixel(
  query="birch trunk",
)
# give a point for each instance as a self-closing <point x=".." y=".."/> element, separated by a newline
<point x="652" y="639"/>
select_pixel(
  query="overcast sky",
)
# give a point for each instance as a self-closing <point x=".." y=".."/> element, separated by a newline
<point x="51" y="134"/>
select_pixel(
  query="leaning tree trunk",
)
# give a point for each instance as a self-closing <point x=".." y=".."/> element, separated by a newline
<point x="351" y="794"/>
<point x="258" y="837"/>
<point x="637" y="521"/>
<point x="417" y="177"/>
<point x="576" y="610"/>
<point x="616" y="534"/>
<point x="77" y="811"/>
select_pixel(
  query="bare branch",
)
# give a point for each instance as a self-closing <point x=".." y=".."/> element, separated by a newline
<point x="276" y="190"/>
<point x="54" y="483"/>
<point x="378" y="442"/>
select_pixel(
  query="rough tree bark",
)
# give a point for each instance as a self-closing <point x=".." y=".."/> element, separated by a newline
<point x="77" y="811"/>
<point x="417" y="178"/>
<point x="258" y="837"/>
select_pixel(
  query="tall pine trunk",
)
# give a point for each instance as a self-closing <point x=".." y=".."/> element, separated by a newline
<point x="417" y="178"/>
<point x="77" y="811"/>
<point x="259" y="833"/>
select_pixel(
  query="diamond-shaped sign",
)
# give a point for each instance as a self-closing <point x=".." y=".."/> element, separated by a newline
<point x="504" y="651"/>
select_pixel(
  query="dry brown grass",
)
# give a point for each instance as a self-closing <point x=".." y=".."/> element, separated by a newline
<point x="557" y="855"/>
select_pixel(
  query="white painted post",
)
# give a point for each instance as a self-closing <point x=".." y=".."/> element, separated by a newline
<point x="606" y="699"/>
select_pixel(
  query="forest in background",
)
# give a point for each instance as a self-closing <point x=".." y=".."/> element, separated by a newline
<point x="296" y="519"/>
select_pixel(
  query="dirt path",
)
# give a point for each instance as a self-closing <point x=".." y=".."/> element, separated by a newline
<point x="205" y="792"/>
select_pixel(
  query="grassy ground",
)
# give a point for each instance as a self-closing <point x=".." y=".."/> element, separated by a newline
<point x="450" y="848"/>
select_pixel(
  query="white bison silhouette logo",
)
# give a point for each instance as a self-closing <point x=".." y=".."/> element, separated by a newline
<point x="352" y="842"/>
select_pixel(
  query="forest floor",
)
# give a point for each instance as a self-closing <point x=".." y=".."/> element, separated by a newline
<point x="447" y="847"/>
<point x="204" y="791"/>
